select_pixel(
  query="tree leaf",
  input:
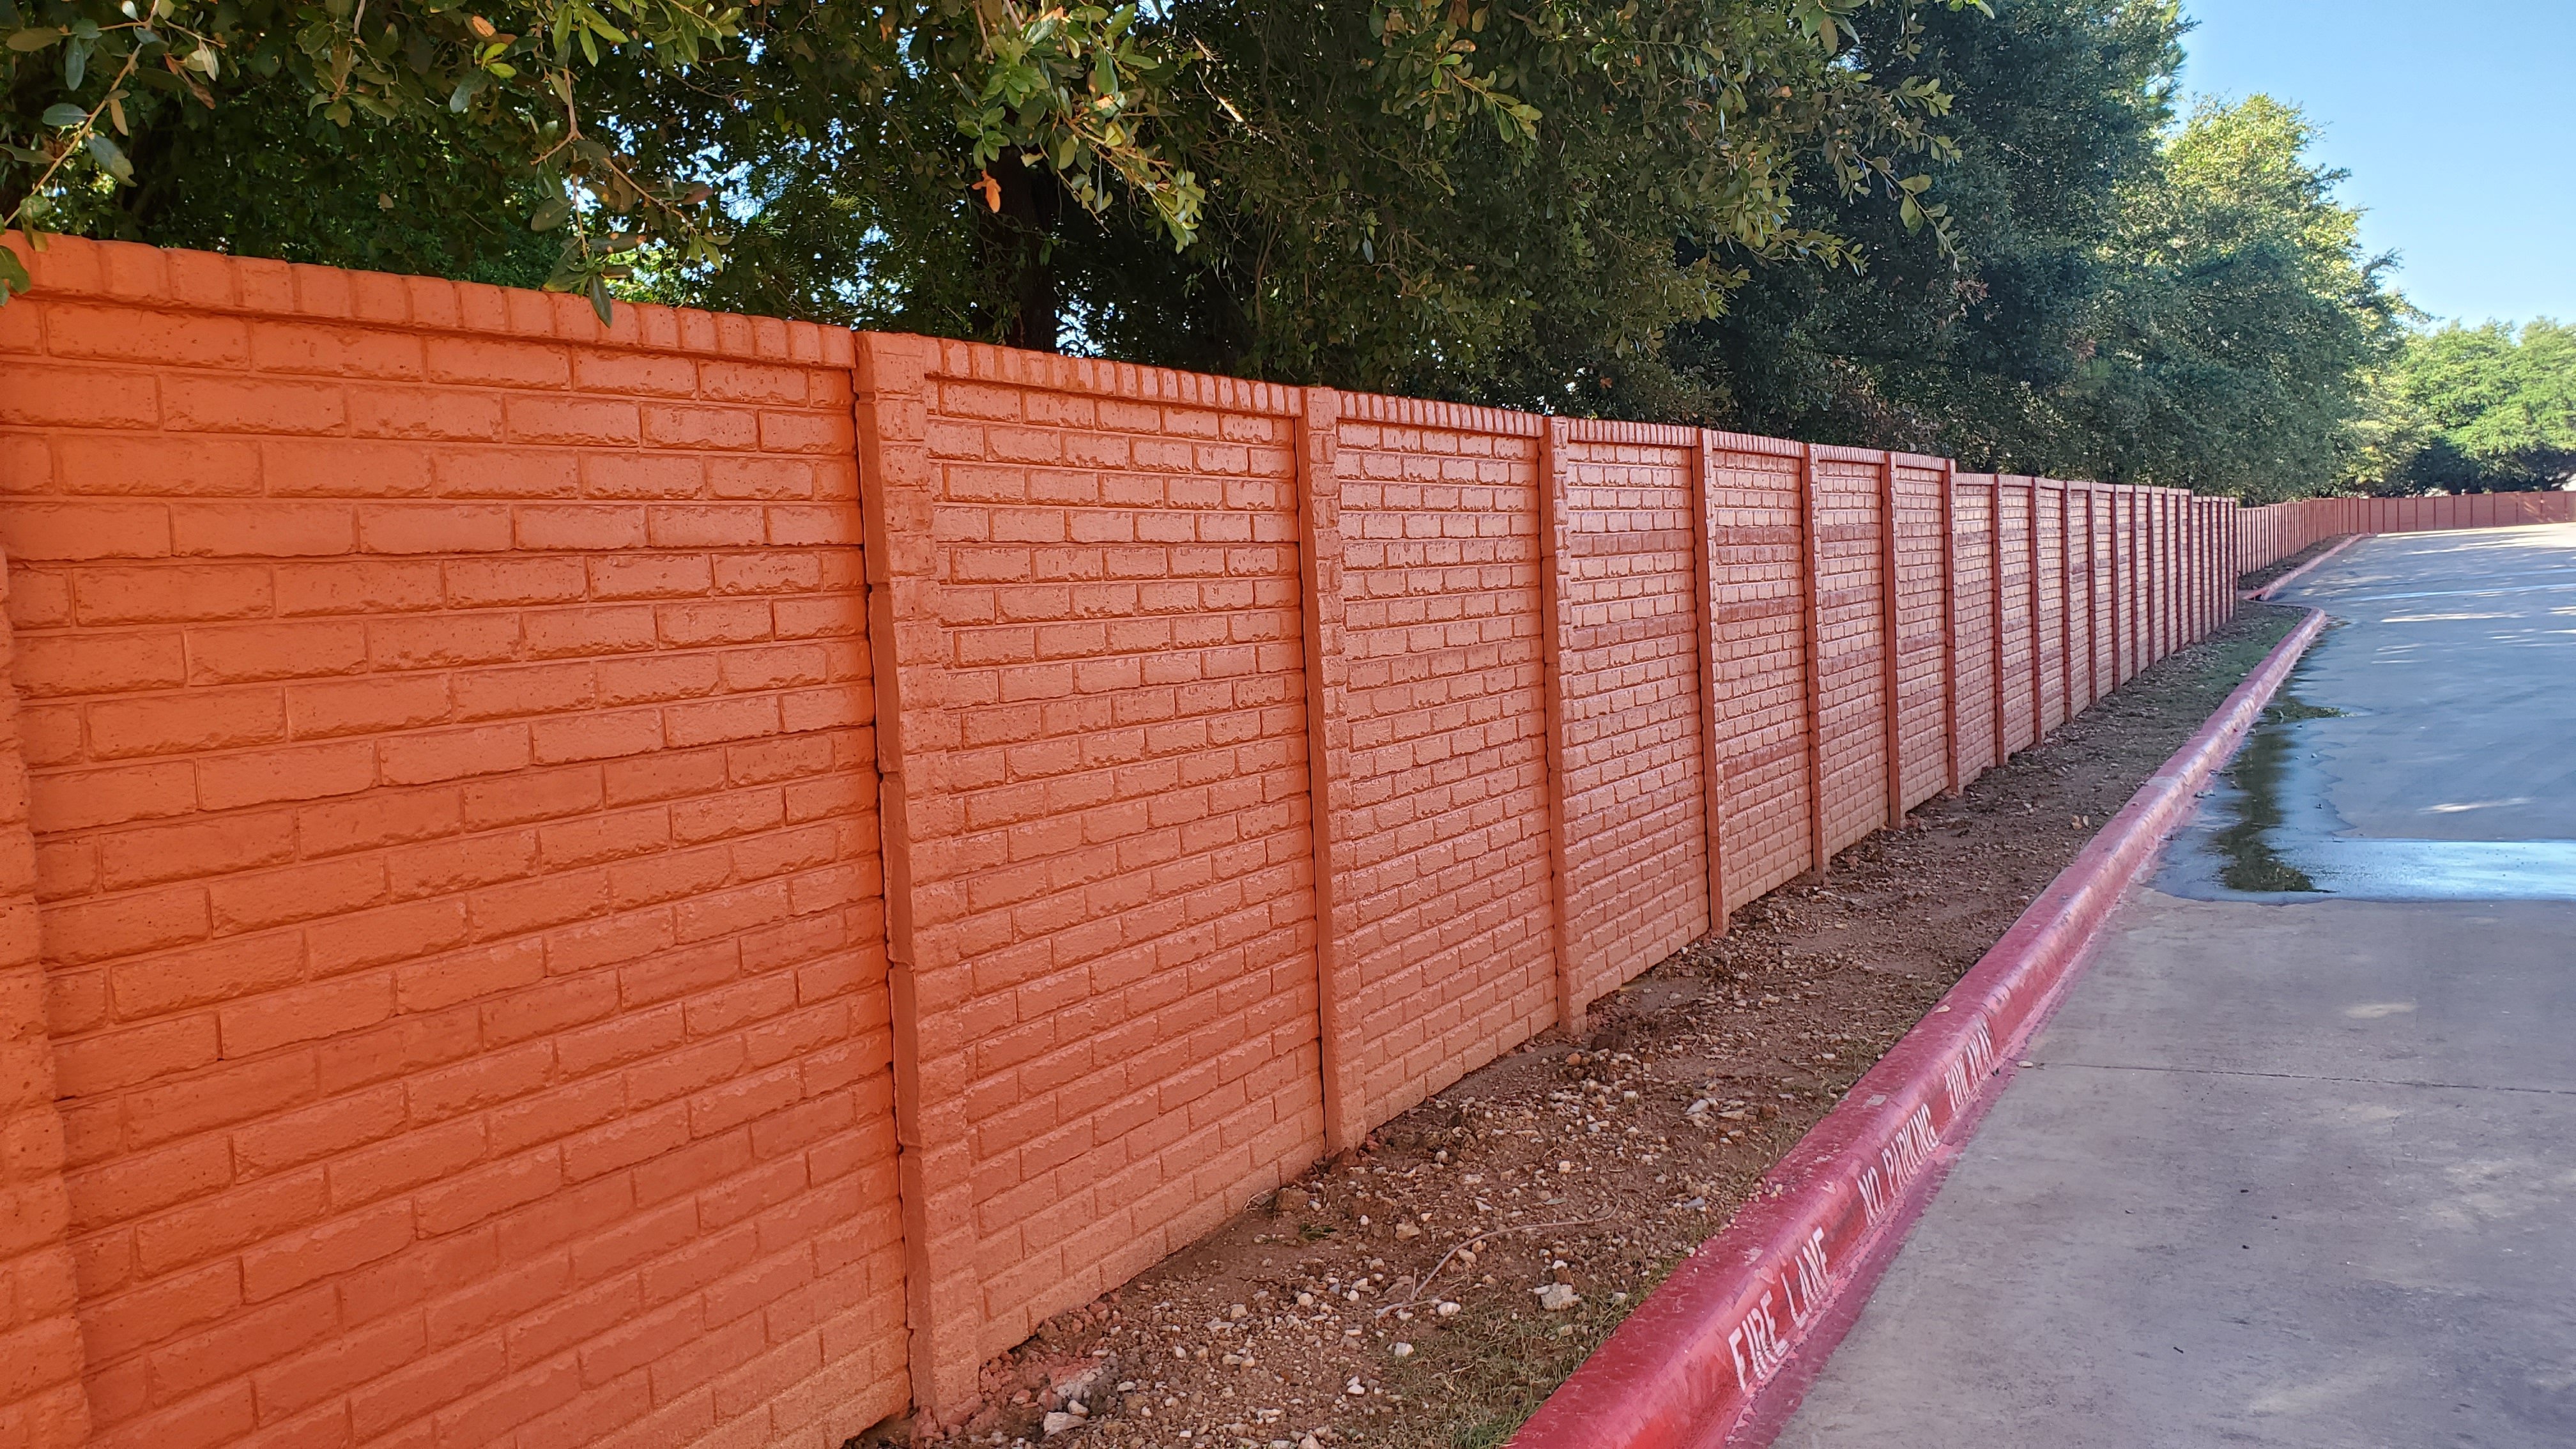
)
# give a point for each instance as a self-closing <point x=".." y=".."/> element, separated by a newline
<point x="110" y="157"/>
<point x="64" y="114"/>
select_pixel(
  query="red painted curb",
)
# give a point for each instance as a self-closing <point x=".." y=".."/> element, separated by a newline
<point x="2268" y="590"/>
<point x="1722" y="1352"/>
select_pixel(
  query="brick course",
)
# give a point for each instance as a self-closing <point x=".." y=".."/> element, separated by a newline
<point x="458" y="873"/>
<point x="478" y="973"/>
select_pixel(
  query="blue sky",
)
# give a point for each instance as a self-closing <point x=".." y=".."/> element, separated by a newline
<point x="2454" y="118"/>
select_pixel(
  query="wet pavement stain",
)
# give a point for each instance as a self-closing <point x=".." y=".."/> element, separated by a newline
<point x="2253" y="865"/>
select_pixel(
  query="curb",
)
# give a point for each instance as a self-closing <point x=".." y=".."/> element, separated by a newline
<point x="2265" y="593"/>
<point x="1723" y="1351"/>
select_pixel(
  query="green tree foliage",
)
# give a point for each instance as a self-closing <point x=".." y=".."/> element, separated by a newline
<point x="2135" y="296"/>
<point x="561" y="115"/>
<point x="2251" y="318"/>
<point x="2059" y="105"/>
<point x="1438" y="196"/>
<point x="1344" y="184"/>
<point x="2476" y="410"/>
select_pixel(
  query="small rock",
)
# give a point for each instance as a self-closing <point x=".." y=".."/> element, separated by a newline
<point x="1353" y="1388"/>
<point x="1407" y="1231"/>
<point x="1294" y="1199"/>
<point x="1557" y="1297"/>
<point x="1060" y="1422"/>
<point x="1238" y="1313"/>
<point x="1402" y="1350"/>
<point x="1308" y="1443"/>
<point x="1448" y="1310"/>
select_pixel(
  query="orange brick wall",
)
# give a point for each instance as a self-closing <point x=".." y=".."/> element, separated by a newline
<point x="1097" y="728"/>
<point x="449" y="725"/>
<point x="1446" y="806"/>
<point x="1635" y="798"/>
<point x="42" y="1404"/>
<point x="2281" y="529"/>
<point x="1756" y="556"/>
<point x="481" y="974"/>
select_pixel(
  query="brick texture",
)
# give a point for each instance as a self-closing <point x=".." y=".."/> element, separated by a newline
<point x="1759" y="600"/>
<point x="1448" y="884"/>
<point x="1636" y="829"/>
<point x="1098" y="730"/>
<point x="454" y="822"/>
<point x="478" y="973"/>
<point x="43" y="1405"/>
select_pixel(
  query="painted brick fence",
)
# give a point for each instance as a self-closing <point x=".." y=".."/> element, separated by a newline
<point x="687" y="883"/>
<point x="2282" y="529"/>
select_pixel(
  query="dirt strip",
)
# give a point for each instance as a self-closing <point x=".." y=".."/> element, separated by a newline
<point x="1431" y="1289"/>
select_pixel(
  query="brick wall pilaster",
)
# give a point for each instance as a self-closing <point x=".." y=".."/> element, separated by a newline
<point x="42" y="1404"/>
<point x="1714" y="733"/>
<point x="1891" y="691"/>
<point x="1328" y="764"/>
<point x="1811" y="611"/>
<point x="915" y="733"/>
<point x="1553" y="534"/>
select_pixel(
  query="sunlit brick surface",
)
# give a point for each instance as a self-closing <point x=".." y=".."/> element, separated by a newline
<point x="508" y="822"/>
<point x="1102" y="745"/>
<point x="449" y="729"/>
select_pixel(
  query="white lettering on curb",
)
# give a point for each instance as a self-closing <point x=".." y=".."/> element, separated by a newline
<point x="1898" y="1162"/>
<point x="1759" y="1343"/>
<point x="1968" y="1069"/>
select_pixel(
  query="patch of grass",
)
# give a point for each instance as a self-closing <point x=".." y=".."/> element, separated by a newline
<point x="1495" y="1369"/>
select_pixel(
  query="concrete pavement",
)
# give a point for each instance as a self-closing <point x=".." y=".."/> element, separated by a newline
<point x="2297" y="1162"/>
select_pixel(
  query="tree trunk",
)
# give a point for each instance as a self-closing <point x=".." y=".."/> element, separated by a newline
<point x="1023" y="233"/>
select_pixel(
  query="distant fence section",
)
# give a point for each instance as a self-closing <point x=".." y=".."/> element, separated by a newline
<point x="2276" y="531"/>
<point x="689" y="882"/>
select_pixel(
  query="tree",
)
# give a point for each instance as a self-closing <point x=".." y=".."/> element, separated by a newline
<point x="2059" y="105"/>
<point x="2133" y="296"/>
<point x="467" y="114"/>
<point x="2250" y="318"/>
<point x="2477" y="410"/>
<point x="1443" y="198"/>
<point x="1428" y="193"/>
